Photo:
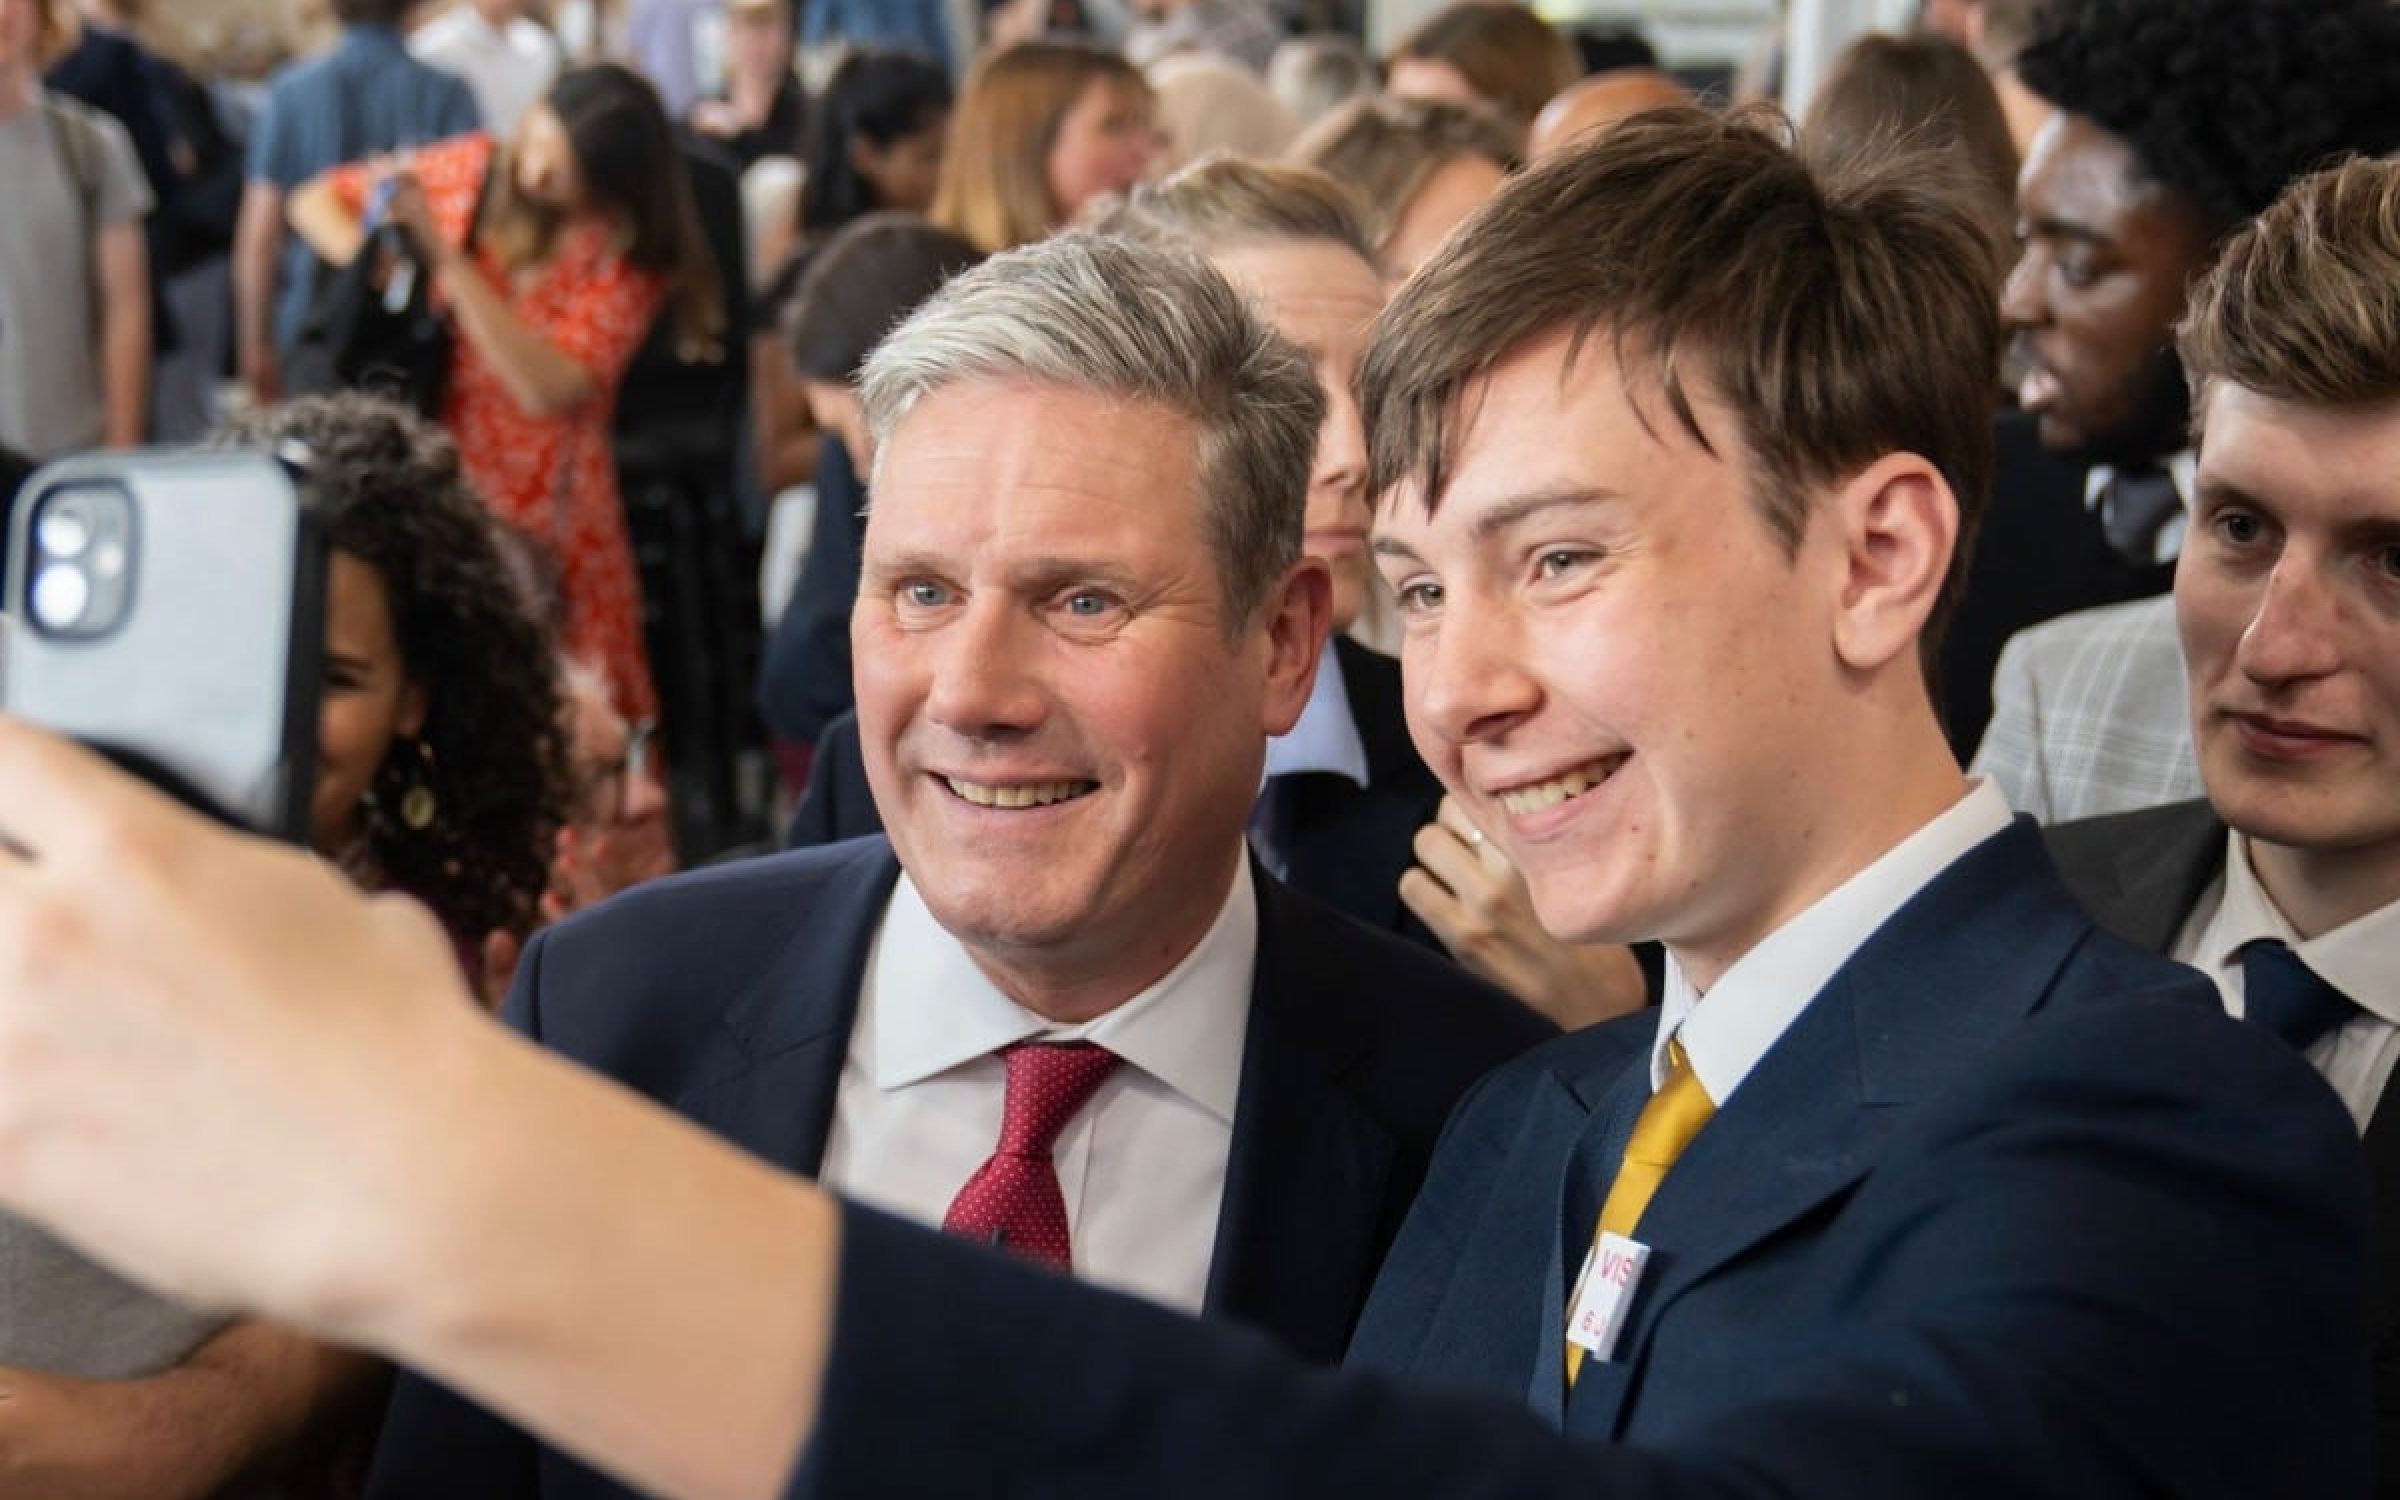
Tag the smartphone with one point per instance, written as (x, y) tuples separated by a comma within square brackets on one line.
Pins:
[(168, 608)]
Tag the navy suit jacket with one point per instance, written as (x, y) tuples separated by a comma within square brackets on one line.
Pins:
[(1346, 845), (2012, 1209), (2140, 874), (728, 994)]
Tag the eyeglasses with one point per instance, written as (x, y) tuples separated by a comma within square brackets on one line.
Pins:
[(608, 785)]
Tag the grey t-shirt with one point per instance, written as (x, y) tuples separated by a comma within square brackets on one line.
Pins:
[(50, 393), (61, 1313)]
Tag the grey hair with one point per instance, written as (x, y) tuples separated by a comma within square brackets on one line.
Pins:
[(1134, 322)]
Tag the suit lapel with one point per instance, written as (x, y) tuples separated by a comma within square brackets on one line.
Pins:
[(1307, 1172), (1950, 974), (1596, 1111), (2155, 874), (2383, 1175), (778, 1054)]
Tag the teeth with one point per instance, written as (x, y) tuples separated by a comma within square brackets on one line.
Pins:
[(1527, 799), (1039, 795)]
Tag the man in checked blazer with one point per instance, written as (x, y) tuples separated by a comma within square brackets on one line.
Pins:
[(2089, 715)]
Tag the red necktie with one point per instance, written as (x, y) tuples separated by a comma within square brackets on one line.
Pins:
[(1013, 1198)]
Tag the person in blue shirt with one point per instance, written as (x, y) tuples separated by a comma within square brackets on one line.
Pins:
[(364, 96)]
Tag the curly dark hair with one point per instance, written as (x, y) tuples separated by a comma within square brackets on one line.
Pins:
[(2225, 101), (394, 498)]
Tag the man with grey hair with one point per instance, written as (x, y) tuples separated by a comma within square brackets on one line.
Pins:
[(1082, 611)]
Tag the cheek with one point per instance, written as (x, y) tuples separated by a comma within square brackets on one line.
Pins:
[(2210, 617), (886, 675), (2116, 330), (352, 731)]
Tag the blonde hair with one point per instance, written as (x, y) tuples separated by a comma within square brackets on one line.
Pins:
[(1228, 202), (2304, 303), (1383, 149), (995, 185)]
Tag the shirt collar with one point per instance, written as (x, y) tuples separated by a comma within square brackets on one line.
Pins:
[(1326, 738), (1767, 988), (2355, 958), (930, 1009), (2183, 471), (364, 39)]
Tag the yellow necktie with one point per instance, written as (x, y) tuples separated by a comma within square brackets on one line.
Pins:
[(1667, 1124)]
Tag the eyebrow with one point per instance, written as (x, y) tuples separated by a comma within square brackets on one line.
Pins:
[(1522, 508), (2354, 531), (1045, 572), (2066, 229), (1507, 513), (2209, 491)]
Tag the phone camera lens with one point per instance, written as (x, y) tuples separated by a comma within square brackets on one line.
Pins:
[(60, 594), (64, 532)]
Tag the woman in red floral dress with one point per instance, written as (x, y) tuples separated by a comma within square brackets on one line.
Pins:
[(582, 230)]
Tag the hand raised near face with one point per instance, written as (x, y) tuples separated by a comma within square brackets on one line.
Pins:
[(203, 1036), (1466, 890)]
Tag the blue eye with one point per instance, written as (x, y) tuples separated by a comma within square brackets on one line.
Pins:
[(1088, 605), (924, 594), (1419, 597)]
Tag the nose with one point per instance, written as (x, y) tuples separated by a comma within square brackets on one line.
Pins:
[(986, 683), (645, 795), (1341, 443), (1464, 678), (2021, 301), (2295, 632)]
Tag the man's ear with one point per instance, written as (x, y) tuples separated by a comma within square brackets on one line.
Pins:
[(1295, 617), (1899, 528)]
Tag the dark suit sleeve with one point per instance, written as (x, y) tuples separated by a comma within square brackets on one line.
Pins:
[(1420, 1265), (837, 803), (2127, 1262), (436, 1444)]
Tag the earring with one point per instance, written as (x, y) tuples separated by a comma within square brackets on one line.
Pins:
[(417, 802)]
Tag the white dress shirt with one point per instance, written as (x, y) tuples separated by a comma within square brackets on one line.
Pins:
[(1141, 1167), (508, 70), (1763, 993), (2361, 958), (1325, 737)]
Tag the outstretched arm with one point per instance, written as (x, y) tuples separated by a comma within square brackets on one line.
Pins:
[(230, 1075)]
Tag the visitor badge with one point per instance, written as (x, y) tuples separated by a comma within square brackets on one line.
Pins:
[(1603, 1291)]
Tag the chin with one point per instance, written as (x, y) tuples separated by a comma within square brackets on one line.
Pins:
[(1583, 915)]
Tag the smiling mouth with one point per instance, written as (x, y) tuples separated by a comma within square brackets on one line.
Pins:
[(1035, 794), (1532, 799)]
